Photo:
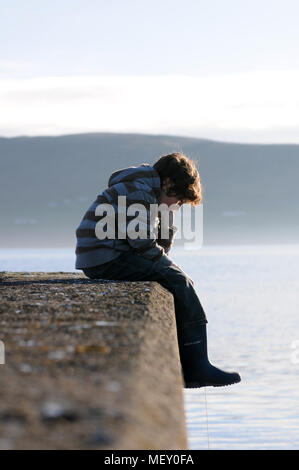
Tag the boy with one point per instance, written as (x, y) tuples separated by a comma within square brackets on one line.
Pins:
[(172, 180)]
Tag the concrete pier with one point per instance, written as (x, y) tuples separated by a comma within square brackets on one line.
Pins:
[(89, 364)]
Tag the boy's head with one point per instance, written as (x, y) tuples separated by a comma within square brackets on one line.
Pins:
[(180, 179)]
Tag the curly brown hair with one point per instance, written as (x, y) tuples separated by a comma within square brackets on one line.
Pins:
[(182, 172)]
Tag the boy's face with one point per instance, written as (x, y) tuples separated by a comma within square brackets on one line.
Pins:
[(168, 200)]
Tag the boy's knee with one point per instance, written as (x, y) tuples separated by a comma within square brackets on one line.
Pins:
[(179, 277), (184, 276)]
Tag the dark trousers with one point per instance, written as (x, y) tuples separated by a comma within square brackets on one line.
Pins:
[(131, 267)]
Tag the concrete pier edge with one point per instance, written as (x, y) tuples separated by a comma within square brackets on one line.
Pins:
[(88, 364)]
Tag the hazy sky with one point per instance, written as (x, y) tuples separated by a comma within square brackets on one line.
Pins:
[(222, 69)]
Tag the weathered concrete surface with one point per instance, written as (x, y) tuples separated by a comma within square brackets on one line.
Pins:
[(89, 364)]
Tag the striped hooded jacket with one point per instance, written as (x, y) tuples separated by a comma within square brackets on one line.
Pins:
[(140, 184)]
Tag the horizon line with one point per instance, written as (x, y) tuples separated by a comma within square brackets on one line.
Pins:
[(24, 136)]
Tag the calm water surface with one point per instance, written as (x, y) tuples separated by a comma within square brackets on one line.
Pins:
[(250, 295)]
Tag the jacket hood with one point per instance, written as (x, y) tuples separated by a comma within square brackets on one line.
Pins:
[(145, 173)]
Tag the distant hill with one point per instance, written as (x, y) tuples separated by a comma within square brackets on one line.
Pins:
[(251, 192)]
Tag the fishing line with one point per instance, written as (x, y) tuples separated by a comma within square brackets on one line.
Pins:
[(207, 419)]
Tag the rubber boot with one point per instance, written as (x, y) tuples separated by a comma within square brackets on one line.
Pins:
[(196, 367)]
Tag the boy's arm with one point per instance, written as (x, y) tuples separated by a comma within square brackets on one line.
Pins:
[(167, 243), (146, 247)]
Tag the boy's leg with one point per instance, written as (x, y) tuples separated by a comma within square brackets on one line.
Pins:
[(132, 267), (190, 316)]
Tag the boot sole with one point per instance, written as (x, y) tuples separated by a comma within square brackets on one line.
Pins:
[(197, 385)]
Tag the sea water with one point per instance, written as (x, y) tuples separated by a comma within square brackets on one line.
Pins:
[(251, 298)]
